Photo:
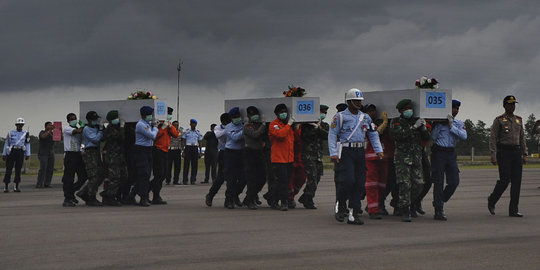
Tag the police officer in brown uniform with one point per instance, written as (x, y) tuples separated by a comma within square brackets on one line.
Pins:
[(509, 151)]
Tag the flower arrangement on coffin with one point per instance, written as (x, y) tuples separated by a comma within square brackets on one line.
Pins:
[(426, 83), (140, 94), (294, 91)]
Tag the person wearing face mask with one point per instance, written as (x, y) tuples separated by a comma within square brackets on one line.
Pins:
[(282, 156), (408, 133), (210, 155), (113, 155), (92, 135), (145, 134), (16, 150), (191, 151), (351, 126), (234, 167), (159, 155), (73, 162), (254, 156), (219, 131), (313, 136)]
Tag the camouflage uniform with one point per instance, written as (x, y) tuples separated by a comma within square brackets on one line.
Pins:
[(408, 159), (113, 156), (94, 170), (312, 154)]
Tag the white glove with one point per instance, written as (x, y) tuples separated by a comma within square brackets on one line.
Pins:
[(291, 121), (420, 122), (450, 120), (122, 123)]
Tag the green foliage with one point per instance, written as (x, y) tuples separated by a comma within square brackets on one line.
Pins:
[(477, 137), (531, 137)]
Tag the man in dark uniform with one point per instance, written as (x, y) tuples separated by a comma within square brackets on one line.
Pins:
[(509, 151), (191, 151), (210, 155)]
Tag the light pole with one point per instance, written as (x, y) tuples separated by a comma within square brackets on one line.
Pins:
[(178, 68)]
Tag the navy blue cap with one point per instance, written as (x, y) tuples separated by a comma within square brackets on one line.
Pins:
[(456, 103), (170, 110), (147, 110), (234, 111), (193, 121)]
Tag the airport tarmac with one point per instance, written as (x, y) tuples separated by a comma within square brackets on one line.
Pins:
[(38, 233)]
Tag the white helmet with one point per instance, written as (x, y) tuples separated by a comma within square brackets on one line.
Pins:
[(354, 94), (19, 121)]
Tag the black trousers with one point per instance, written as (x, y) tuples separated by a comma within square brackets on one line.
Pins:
[(220, 178), (159, 167), (15, 158), (282, 172), (191, 158), (234, 172), (73, 164), (46, 169), (174, 159), (210, 162), (510, 163), (428, 182), (255, 166), (143, 162), (130, 186)]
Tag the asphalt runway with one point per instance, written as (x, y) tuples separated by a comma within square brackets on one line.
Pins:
[(38, 233)]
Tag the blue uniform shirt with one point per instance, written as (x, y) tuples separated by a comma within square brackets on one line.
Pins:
[(443, 136), (193, 137), (342, 126), (235, 136), (16, 139), (145, 133), (91, 136)]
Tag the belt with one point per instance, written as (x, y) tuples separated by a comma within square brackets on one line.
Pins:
[(354, 144), (16, 147), (174, 148), (445, 149), (509, 147), (192, 146)]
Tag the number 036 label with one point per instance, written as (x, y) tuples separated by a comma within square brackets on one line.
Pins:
[(304, 107), (435, 100)]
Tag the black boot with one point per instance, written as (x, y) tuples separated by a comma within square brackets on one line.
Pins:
[(419, 209), (439, 214), (340, 212), (406, 214), (354, 218), (16, 188), (208, 199), (413, 212), (284, 205), (6, 188)]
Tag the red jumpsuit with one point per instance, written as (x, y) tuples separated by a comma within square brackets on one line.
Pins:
[(377, 171)]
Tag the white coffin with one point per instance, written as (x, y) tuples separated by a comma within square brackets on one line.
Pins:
[(302, 109), (129, 110), (428, 103)]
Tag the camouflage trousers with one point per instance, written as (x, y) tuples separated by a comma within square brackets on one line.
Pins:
[(94, 170), (410, 182), (117, 175), (314, 171)]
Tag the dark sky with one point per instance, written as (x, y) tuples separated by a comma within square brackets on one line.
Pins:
[(68, 51)]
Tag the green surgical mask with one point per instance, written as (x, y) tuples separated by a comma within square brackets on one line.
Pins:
[(95, 122), (73, 123), (115, 121), (408, 113), (169, 117), (237, 120), (254, 118), (283, 116), (323, 115), (148, 118)]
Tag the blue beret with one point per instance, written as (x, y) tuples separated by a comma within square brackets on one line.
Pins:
[(456, 103), (193, 121), (234, 111), (146, 110)]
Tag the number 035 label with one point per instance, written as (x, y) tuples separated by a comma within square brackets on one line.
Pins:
[(304, 107), (435, 100)]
